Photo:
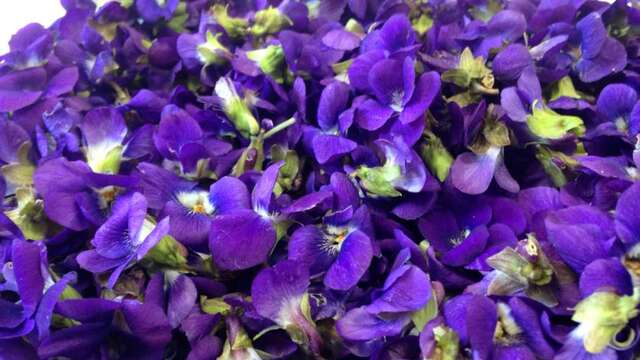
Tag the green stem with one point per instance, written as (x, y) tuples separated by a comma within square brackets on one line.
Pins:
[(276, 129)]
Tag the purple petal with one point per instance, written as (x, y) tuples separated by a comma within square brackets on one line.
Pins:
[(241, 240), (361, 68), (176, 129), (352, 262), (340, 39), (360, 325), (330, 147), (469, 249), (27, 264), (182, 298), (427, 89), (616, 101), (263, 191), (273, 288), (605, 275), (371, 115), (333, 101), (472, 173), (406, 289), (229, 194), (627, 221)]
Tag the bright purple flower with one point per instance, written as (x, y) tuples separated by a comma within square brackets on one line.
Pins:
[(601, 55), (396, 93)]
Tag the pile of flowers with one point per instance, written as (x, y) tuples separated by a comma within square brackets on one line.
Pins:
[(335, 179)]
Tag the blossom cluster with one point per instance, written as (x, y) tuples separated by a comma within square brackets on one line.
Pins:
[(329, 179)]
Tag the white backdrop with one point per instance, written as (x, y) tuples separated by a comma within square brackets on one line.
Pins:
[(14, 14)]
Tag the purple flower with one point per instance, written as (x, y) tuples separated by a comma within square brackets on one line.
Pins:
[(396, 94), (280, 294), (126, 236)]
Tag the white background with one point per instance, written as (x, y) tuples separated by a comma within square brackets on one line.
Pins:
[(14, 14)]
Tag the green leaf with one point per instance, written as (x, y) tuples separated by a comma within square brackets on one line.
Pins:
[(548, 124)]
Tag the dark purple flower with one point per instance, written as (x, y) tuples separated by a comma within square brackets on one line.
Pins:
[(126, 236)]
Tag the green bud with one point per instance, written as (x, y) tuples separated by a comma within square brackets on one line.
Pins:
[(545, 156), (236, 108), (602, 315), (29, 214), (169, 252), (269, 21), (212, 51), (377, 181), (235, 27), (214, 306), (289, 172), (428, 312), (564, 87), (436, 156), (548, 124), (270, 60)]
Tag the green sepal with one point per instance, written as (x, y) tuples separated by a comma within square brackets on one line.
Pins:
[(270, 60), (354, 26), (212, 51), (169, 252), (214, 306), (240, 115), (564, 87), (234, 27), (602, 315), (179, 19), (269, 21), (29, 214), (428, 312), (20, 173), (251, 158), (436, 156), (111, 162), (422, 24), (289, 171), (469, 69), (377, 181), (548, 124), (447, 343), (341, 67)]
